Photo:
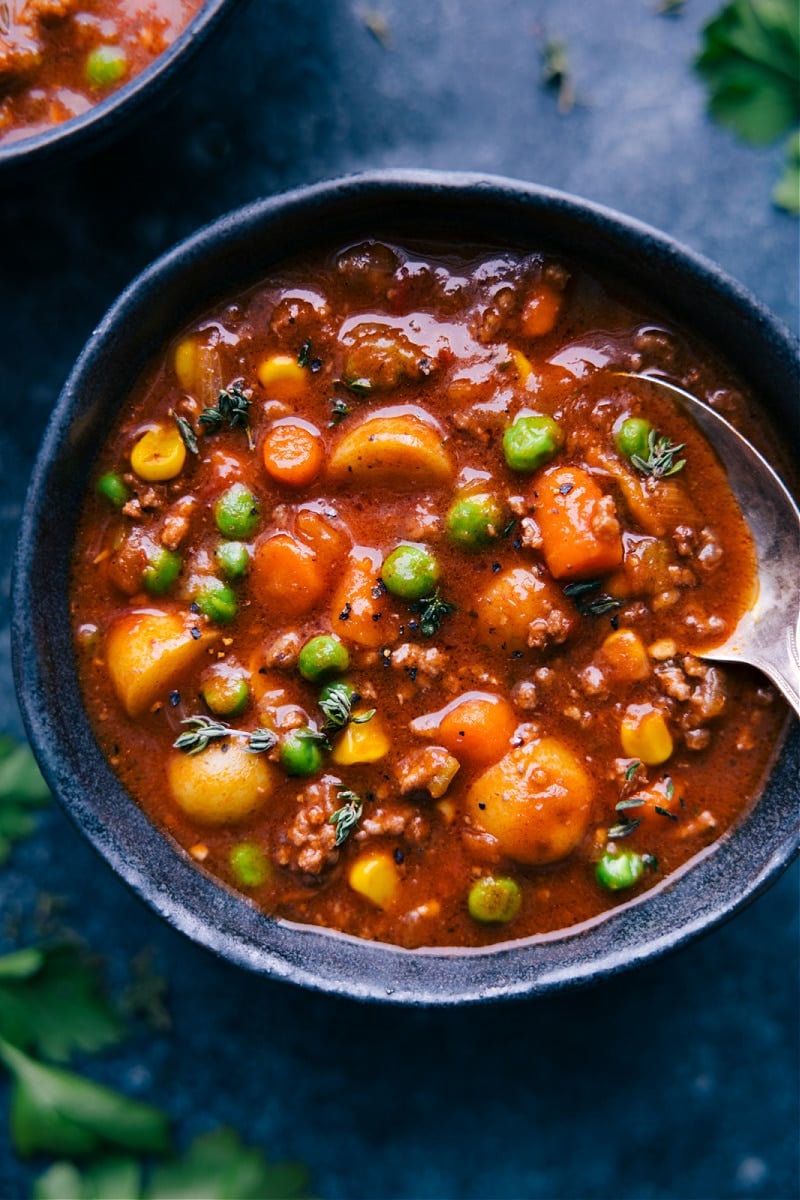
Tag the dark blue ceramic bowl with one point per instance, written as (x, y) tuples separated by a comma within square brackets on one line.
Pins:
[(232, 253), (112, 116)]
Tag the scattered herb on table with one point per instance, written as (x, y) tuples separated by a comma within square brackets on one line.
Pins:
[(557, 73), (376, 23), (750, 61), (217, 1165), (22, 792)]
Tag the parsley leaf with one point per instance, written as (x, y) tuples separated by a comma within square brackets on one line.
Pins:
[(751, 63), (51, 1000), (217, 1166), (59, 1112), (22, 790), (786, 193)]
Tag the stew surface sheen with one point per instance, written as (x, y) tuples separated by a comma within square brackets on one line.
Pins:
[(416, 575), (60, 57)]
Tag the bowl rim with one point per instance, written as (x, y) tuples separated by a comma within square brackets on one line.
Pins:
[(160, 874), (103, 121)]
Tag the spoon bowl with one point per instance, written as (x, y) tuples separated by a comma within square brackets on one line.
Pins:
[(768, 634)]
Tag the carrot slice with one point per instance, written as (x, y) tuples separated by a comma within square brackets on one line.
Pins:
[(293, 454), (287, 576), (360, 611), (478, 728), (580, 534)]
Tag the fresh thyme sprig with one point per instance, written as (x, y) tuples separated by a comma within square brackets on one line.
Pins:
[(432, 610), (660, 461), (337, 702), (233, 408), (347, 817), (203, 730), (339, 410), (587, 604)]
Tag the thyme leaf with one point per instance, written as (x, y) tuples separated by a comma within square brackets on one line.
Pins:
[(347, 817), (624, 828), (660, 461), (339, 410), (187, 434), (588, 605), (233, 409), (337, 703), (304, 357), (432, 610), (203, 730)]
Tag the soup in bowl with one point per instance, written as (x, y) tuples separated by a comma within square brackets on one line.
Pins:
[(386, 586)]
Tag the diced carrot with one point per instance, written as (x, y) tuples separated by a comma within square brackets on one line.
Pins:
[(329, 542), (580, 535), (477, 728), (287, 576), (293, 454), (360, 611), (540, 310)]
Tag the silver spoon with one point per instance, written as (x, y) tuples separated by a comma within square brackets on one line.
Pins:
[(768, 634)]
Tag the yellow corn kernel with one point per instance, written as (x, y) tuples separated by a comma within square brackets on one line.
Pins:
[(159, 454), (626, 655), (375, 877), (185, 363), (361, 743), (522, 365), (645, 735), (283, 377)]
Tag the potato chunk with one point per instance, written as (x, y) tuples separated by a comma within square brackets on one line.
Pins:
[(401, 452), (148, 651), (220, 786), (536, 802), (520, 611)]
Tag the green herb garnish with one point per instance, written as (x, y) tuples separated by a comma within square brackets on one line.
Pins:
[(589, 605), (22, 791), (557, 74), (339, 410), (432, 611), (337, 702), (205, 729), (624, 828), (347, 817), (233, 409), (660, 461), (187, 434), (750, 61)]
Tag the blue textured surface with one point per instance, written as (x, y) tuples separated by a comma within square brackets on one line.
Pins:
[(679, 1080)]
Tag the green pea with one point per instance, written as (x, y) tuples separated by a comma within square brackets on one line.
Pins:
[(216, 600), (474, 519), (620, 870), (531, 442), (111, 487), (233, 559), (163, 568), (236, 512), (105, 66), (494, 900), (632, 437), (323, 655), (249, 864), (226, 692), (301, 752), (410, 572)]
